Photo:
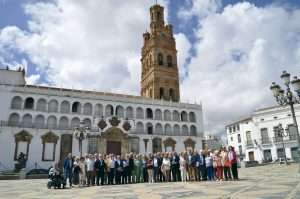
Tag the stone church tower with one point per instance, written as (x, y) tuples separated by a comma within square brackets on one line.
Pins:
[(159, 60)]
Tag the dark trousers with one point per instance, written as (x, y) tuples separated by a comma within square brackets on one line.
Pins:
[(125, 175), (118, 176), (111, 176), (234, 171), (175, 174), (90, 178), (68, 174), (145, 175), (197, 174), (100, 177), (155, 174), (129, 175), (210, 172), (202, 172), (227, 174), (161, 176)]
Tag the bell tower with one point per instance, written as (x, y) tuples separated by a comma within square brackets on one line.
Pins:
[(159, 59)]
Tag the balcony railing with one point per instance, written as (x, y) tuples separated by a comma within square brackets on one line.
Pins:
[(249, 143), (277, 139), (265, 141), (41, 126)]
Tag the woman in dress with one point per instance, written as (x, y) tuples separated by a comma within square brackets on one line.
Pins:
[(166, 166), (82, 174), (182, 162), (138, 169), (150, 169)]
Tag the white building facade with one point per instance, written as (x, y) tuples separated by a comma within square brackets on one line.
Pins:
[(39, 122), (254, 137)]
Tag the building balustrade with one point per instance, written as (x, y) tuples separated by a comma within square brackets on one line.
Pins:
[(265, 141)]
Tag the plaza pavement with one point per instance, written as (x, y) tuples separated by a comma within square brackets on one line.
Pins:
[(268, 182)]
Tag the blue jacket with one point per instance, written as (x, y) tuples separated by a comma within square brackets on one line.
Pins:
[(67, 165)]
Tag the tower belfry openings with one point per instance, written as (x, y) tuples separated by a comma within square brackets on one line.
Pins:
[(159, 59)]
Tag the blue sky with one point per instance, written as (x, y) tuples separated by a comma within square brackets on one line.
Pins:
[(228, 50)]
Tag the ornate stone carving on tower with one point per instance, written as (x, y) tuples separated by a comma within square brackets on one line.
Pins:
[(159, 59)]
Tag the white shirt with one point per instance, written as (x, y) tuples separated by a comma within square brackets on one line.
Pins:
[(90, 164), (155, 162)]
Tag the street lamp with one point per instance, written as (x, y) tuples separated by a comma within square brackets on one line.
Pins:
[(287, 97), (81, 133), (281, 133)]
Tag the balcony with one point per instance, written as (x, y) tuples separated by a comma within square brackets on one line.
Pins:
[(249, 144), (277, 139), (265, 141), (41, 126)]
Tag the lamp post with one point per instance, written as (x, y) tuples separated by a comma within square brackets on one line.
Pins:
[(287, 97), (281, 133), (81, 133)]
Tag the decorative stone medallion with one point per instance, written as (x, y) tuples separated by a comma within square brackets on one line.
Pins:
[(114, 121), (102, 124)]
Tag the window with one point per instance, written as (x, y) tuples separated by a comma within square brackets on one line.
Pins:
[(76, 107), (248, 138), (149, 129), (169, 60), (238, 127), (158, 15), (29, 103), (239, 138), (92, 144), (240, 150), (264, 136), (231, 138), (16, 103), (292, 132), (160, 59), (149, 113), (230, 130), (161, 93), (109, 110), (233, 129)]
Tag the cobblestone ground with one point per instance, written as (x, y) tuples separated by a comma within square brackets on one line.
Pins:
[(269, 182)]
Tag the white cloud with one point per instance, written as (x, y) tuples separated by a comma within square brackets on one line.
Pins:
[(84, 44), (240, 52), (199, 8)]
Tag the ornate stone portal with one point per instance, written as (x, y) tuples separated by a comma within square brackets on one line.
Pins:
[(114, 140)]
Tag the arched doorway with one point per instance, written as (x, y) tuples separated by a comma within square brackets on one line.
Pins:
[(115, 141)]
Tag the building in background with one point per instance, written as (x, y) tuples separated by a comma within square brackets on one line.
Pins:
[(254, 137), (39, 121), (212, 142)]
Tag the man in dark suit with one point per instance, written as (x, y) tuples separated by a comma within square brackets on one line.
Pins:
[(175, 167), (130, 168), (119, 169), (68, 168), (100, 168), (160, 173)]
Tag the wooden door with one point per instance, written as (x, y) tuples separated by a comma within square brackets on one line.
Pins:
[(251, 156), (113, 147), (65, 146)]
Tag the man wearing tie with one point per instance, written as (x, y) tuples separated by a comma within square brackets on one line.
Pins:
[(100, 168)]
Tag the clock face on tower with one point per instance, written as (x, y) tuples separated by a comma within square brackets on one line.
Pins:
[(159, 60)]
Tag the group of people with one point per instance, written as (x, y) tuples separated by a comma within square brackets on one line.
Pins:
[(98, 169)]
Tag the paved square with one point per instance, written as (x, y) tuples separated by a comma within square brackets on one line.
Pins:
[(268, 182)]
